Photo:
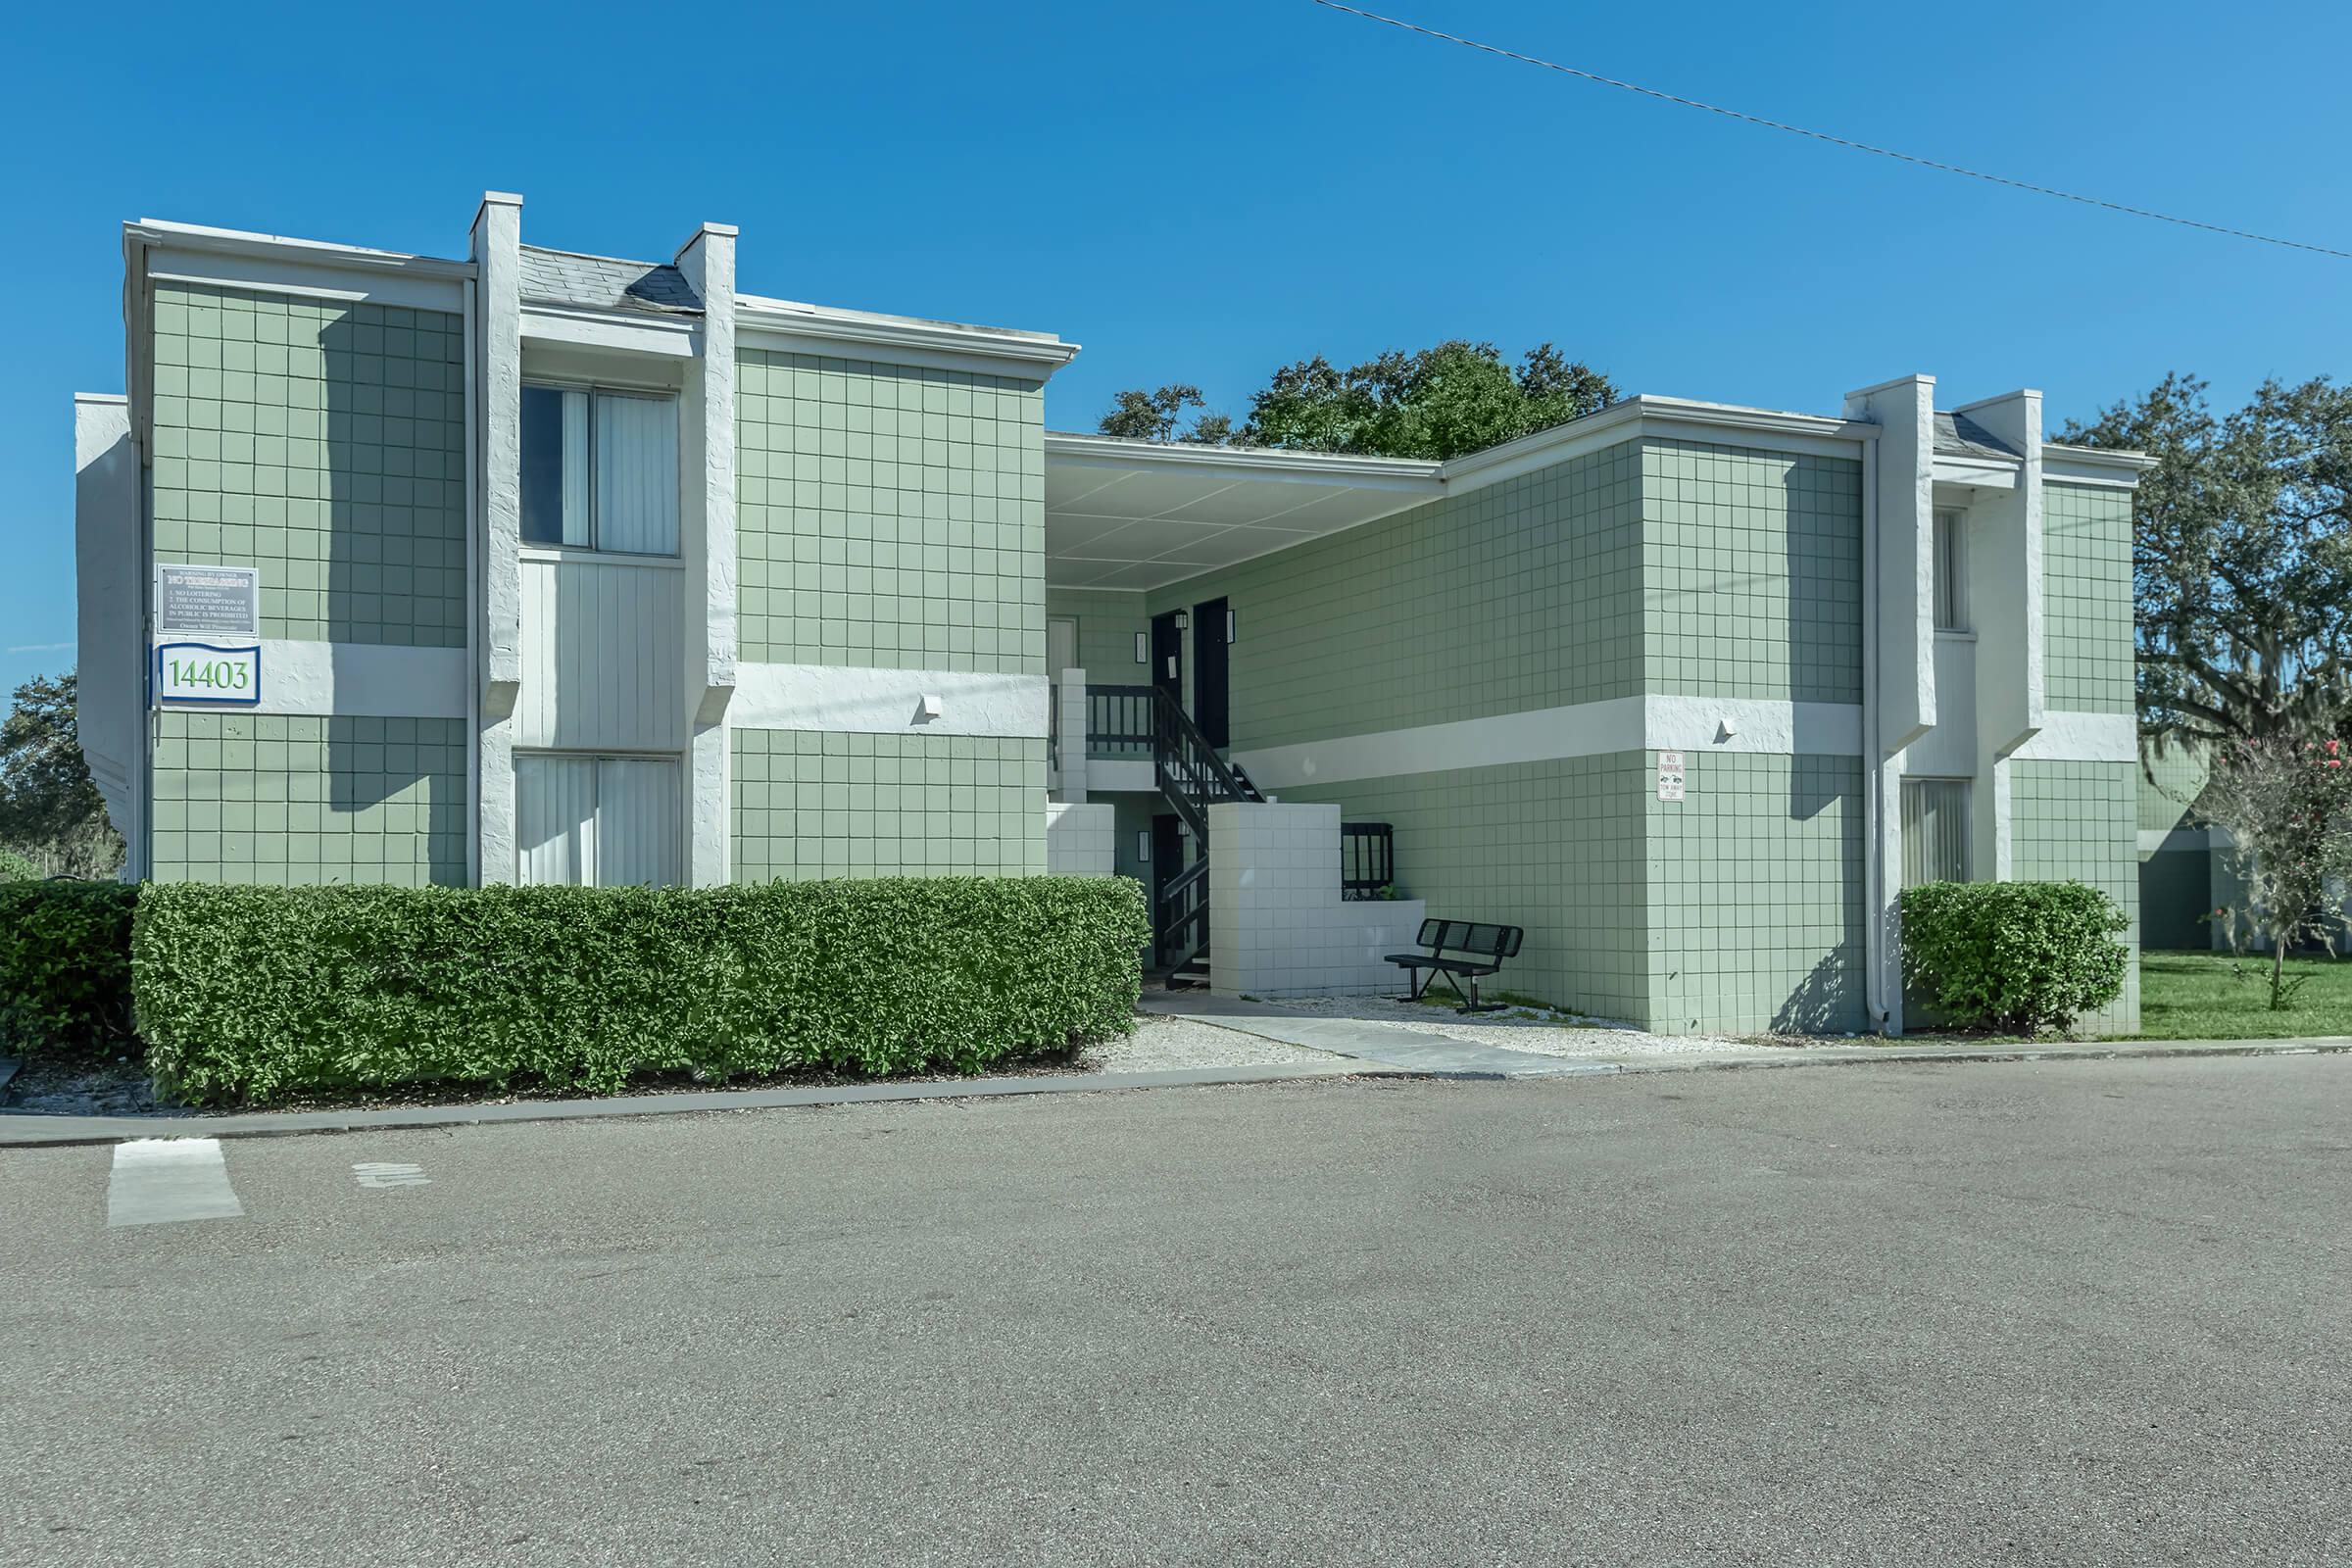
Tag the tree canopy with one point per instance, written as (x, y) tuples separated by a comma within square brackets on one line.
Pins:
[(49, 810), (1434, 402), (2241, 558)]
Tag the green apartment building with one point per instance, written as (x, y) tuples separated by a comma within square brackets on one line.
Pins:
[(530, 565)]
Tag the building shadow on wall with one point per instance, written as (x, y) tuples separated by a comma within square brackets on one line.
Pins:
[(378, 427)]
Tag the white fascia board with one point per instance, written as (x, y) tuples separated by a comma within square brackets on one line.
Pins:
[(2090, 466), (794, 327), (623, 332), (1117, 453), (192, 253), (1976, 473), (1663, 419)]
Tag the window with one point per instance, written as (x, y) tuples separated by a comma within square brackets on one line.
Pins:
[(1936, 831), (1951, 572), (599, 469), (598, 822)]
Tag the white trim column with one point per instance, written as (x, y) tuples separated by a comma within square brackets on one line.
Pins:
[(497, 253), (707, 514)]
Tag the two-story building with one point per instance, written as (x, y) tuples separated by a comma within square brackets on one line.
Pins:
[(530, 565)]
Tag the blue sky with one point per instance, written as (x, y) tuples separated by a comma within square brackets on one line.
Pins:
[(1203, 191)]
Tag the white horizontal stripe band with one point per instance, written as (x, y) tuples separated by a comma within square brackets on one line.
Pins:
[(1712, 725), (884, 702), (2066, 737), (372, 680)]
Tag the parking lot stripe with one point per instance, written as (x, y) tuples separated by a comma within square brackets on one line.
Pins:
[(166, 1181)]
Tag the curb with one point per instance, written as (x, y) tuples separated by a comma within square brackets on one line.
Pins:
[(27, 1130)]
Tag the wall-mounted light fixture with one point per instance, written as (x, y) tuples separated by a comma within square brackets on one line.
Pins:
[(1184, 621), (1143, 649), (1228, 633), (1143, 846)]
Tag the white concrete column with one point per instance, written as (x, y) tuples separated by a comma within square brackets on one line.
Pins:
[(1069, 734), (1904, 409), (708, 542), (2005, 610), (111, 575), (497, 404)]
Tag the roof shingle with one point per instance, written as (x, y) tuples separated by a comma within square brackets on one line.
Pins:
[(604, 282)]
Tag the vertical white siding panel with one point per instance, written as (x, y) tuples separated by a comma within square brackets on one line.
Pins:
[(603, 655)]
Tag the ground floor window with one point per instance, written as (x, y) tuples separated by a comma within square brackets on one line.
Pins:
[(1936, 831), (598, 822)]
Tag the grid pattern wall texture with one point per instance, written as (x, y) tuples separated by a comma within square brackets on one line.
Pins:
[(1554, 848), (1106, 626), (1752, 574), (323, 443), (2086, 598), (2170, 781), (810, 804), (890, 517), (1756, 896), (2078, 821), (288, 801), (1524, 594)]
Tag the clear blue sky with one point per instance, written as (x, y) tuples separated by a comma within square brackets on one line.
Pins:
[(1203, 191)]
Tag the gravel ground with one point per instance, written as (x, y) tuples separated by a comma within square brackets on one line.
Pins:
[(1540, 1030), (1161, 1044)]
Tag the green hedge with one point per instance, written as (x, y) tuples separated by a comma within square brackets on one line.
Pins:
[(256, 994), (64, 966), (2014, 955), (14, 867)]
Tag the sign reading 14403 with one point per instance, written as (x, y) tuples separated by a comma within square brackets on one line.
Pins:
[(202, 672)]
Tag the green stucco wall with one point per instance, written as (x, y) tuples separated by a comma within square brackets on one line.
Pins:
[(323, 443), (1556, 848), (1524, 594), (2079, 821), (277, 798), (1755, 895), (1107, 622), (1751, 569), (2086, 598), (809, 804), (889, 517)]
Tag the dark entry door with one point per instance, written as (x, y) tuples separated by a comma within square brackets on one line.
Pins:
[(1210, 651), (1167, 647)]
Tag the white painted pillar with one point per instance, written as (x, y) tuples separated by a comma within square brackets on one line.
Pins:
[(1069, 734), (707, 513), (497, 391), (111, 575)]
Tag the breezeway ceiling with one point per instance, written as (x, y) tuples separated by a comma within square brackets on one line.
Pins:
[(1141, 515)]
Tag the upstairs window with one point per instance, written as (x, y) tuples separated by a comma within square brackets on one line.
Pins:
[(1951, 572), (599, 469)]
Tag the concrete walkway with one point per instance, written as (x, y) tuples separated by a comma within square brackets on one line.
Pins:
[(1368, 1040)]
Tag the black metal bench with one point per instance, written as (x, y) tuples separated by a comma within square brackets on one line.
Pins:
[(1460, 948)]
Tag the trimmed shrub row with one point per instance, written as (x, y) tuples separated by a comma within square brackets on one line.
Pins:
[(64, 966), (254, 994), (2013, 955)]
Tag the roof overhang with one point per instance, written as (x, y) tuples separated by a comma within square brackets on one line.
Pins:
[(1139, 515), (791, 326)]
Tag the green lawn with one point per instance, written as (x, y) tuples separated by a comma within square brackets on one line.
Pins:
[(2211, 996)]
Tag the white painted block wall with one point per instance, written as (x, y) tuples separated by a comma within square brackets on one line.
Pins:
[(1080, 840), (1277, 925)]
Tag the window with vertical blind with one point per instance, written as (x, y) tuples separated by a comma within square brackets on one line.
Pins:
[(599, 469), (1936, 831), (598, 822), (1951, 572)]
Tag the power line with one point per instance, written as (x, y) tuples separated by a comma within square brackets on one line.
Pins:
[(1823, 136)]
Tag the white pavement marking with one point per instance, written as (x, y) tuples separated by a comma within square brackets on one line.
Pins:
[(163, 1181), (378, 1173)]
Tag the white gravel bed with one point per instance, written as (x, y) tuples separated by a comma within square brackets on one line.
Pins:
[(1161, 1044), (1537, 1030)]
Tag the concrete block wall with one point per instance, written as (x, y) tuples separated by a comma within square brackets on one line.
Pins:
[(1279, 927), (1080, 840)]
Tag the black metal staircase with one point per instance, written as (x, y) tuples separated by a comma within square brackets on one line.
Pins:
[(1191, 777)]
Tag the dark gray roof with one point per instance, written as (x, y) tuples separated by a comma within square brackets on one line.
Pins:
[(602, 282), (1962, 436)]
